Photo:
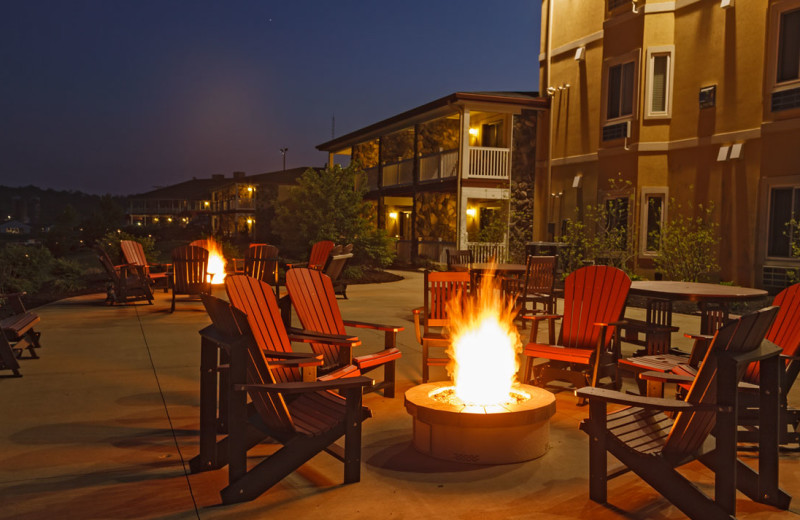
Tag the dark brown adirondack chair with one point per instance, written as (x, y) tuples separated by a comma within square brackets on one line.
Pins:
[(261, 263), (315, 302), (17, 324), (431, 320), (594, 297), (458, 260), (653, 444), (128, 282), (133, 252), (189, 276), (335, 267), (657, 329), (305, 417), (8, 356), (535, 288)]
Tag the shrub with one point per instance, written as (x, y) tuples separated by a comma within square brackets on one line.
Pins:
[(23, 268), (687, 244), (110, 242)]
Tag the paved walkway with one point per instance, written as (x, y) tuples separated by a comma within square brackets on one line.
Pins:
[(103, 426)]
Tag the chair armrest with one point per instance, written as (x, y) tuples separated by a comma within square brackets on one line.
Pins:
[(651, 403), (787, 357), (312, 336), (539, 317), (296, 264), (703, 337), (290, 355), (374, 326), (296, 363), (14, 300), (311, 386)]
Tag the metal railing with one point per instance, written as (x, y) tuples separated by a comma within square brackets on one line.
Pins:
[(439, 165), (488, 251), (398, 173), (489, 163)]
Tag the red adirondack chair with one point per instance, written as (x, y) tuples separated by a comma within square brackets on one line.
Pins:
[(189, 276), (261, 262), (594, 297), (314, 300), (134, 255), (431, 320)]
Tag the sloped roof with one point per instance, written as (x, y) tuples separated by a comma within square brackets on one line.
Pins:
[(432, 110)]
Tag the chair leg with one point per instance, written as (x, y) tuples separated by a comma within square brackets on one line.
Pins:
[(389, 379), (172, 309), (424, 363)]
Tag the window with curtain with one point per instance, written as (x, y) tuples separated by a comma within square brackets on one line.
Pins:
[(658, 90), (620, 90)]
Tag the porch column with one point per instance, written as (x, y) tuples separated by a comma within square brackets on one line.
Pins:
[(463, 162), (380, 184), (415, 182)]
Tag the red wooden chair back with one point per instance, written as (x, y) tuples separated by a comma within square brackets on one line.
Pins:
[(319, 254), (189, 264), (234, 324), (440, 288), (690, 429), (592, 294), (261, 262), (785, 330), (133, 252), (314, 301), (257, 301)]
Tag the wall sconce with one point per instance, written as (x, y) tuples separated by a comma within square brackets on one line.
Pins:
[(250, 222), (473, 131), (393, 215), (155, 219), (169, 219), (471, 212), (580, 53), (206, 203), (250, 189)]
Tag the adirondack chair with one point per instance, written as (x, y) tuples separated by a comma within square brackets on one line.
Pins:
[(336, 266), (458, 260), (133, 252), (128, 282), (263, 316), (189, 276), (657, 329), (305, 417), (314, 300), (432, 319), (17, 324), (535, 288), (8, 357), (653, 444), (261, 263), (594, 297)]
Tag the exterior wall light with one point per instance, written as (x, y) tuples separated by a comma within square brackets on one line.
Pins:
[(393, 215), (473, 131), (471, 212)]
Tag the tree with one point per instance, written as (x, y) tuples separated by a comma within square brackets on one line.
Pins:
[(329, 204), (687, 244)]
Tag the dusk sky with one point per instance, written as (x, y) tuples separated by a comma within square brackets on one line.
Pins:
[(111, 96)]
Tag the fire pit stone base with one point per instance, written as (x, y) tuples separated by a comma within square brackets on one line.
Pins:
[(481, 435)]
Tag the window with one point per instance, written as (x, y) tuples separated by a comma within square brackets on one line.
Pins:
[(788, 68), (653, 215), (659, 82), (784, 206), (620, 90)]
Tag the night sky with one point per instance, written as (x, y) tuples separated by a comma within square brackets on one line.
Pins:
[(112, 96)]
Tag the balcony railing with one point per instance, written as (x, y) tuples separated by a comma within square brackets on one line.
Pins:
[(439, 165), (489, 163), (488, 251), (399, 173)]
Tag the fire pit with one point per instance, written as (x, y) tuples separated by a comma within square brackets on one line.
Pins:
[(483, 417), (515, 431)]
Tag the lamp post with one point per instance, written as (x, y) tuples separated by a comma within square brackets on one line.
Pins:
[(283, 153)]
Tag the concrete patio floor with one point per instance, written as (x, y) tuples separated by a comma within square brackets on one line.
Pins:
[(104, 424)]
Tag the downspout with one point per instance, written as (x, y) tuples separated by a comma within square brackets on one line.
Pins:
[(551, 126)]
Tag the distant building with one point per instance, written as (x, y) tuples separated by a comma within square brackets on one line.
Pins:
[(14, 227), (455, 173)]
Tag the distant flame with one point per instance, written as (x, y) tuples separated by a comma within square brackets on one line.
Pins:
[(216, 263), (485, 345)]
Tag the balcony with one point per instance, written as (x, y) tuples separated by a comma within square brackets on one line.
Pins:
[(489, 163)]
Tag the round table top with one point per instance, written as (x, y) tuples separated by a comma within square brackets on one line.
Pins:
[(500, 268), (694, 291)]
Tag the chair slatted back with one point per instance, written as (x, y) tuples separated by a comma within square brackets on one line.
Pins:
[(189, 264), (592, 294), (319, 254), (105, 261), (460, 258), (133, 252), (233, 324), (690, 429), (540, 274), (257, 301), (440, 288), (785, 330), (314, 301), (261, 262), (336, 265)]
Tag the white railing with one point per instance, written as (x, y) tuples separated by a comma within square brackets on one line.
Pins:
[(401, 172), (489, 163), (488, 251), (438, 165)]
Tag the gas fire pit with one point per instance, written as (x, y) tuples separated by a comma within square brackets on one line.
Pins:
[(515, 431)]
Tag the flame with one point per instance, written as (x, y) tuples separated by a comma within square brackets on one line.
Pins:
[(485, 345), (216, 263)]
